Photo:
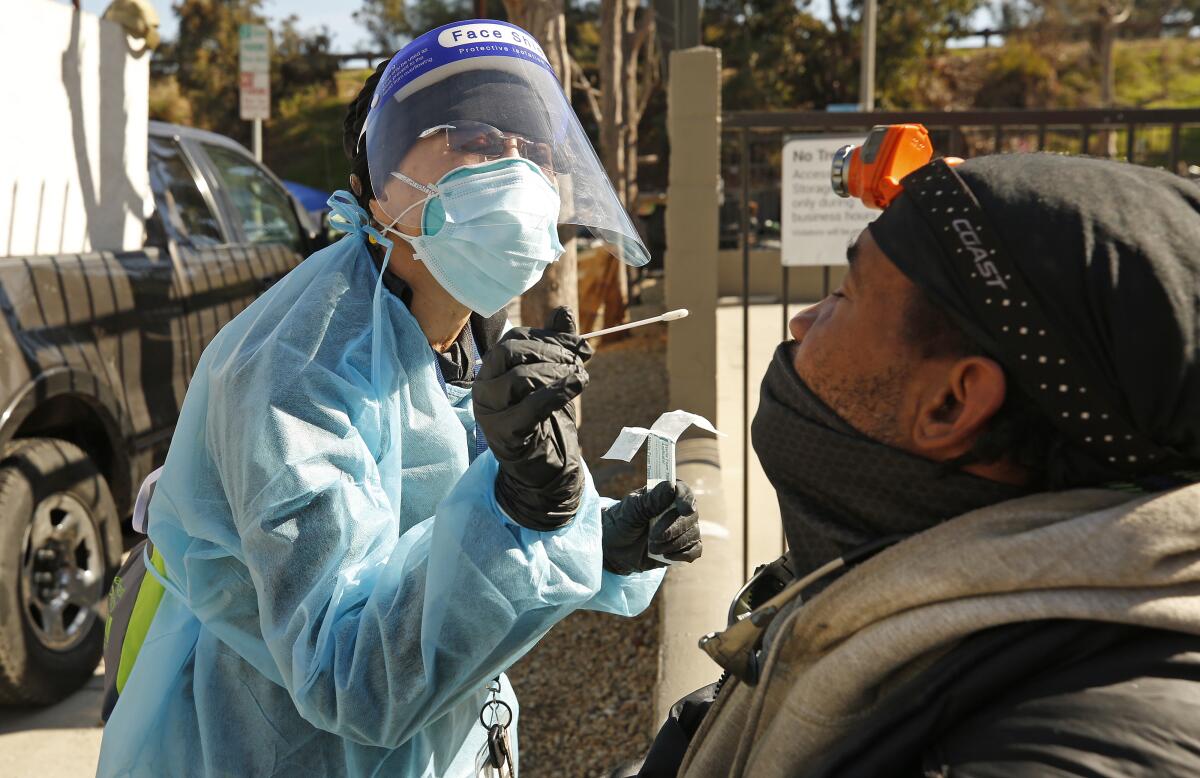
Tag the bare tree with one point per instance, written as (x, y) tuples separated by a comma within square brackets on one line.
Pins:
[(545, 19), (629, 71), (1110, 14)]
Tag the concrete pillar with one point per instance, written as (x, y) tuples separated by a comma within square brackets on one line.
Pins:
[(695, 597), (694, 132)]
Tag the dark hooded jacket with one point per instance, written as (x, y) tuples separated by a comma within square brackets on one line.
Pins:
[(1015, 641), (1056, 634), (1109, 251)]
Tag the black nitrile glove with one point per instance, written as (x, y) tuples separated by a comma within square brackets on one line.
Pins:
[(523, 404), (662, 522)]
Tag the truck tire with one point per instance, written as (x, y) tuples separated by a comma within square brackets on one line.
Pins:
[(60, 542)]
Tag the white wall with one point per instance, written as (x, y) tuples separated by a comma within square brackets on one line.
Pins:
[(74, 101)]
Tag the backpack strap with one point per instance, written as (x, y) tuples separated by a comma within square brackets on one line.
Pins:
[(133, 600)]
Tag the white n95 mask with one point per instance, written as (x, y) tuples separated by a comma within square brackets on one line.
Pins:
[(488, 231)]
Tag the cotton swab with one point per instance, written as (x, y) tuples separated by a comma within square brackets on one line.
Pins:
[(679, 313)]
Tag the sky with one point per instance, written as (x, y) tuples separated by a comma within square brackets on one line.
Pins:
[(334, 14)]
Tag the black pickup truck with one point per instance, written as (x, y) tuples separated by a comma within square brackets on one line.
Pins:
[(96, 351)]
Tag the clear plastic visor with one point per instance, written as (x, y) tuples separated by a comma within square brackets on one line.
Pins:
[(491, 109)]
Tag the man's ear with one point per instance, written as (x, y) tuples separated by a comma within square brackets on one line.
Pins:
[(956, 410)]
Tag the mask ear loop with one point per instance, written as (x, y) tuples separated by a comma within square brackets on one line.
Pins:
[(430, 192)]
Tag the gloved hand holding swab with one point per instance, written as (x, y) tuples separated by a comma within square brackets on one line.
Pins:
[(678, 313)]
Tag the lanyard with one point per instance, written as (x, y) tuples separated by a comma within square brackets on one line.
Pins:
[(476, 363)]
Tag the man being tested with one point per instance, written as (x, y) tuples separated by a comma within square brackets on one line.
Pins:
[(372, 505), (994, 425)]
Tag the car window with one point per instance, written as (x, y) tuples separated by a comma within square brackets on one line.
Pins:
[(261, 204), (184, 211)]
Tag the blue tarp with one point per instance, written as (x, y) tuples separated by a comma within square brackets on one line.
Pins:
[(312, 200)]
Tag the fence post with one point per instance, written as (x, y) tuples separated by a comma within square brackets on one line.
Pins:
[(694, 597)]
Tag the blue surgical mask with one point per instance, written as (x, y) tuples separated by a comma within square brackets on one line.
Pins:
[(488, 231)]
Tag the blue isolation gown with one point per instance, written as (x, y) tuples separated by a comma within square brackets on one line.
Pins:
[(341, 583)]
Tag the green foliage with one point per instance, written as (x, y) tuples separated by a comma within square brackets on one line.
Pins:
[(779, 54), (206, 55), (1068, 20), (386, 22), (1018, 76), (428, 14), (167, 102), (304, 141), (301, 60), (195, 77), (392, 23), (1160, 73)]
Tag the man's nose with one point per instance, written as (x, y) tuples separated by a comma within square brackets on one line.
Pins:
[(510, 148), (802, 321)]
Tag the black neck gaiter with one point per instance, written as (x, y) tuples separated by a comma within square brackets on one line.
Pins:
[(837, 488)]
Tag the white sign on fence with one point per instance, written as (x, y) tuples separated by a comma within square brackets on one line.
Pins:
[(254, 64), (817, 224)]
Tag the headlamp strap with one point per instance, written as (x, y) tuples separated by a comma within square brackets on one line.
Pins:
[(1078, 402)]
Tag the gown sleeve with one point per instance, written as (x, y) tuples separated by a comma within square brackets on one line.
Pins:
[(377, 633), (624, 595)]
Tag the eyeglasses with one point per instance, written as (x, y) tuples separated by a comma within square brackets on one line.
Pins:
[(471, 137)]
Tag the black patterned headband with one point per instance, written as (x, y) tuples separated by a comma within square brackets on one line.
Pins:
[(1078, 402)]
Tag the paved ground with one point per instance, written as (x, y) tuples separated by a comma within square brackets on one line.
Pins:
[(765, 536), (62, 741)]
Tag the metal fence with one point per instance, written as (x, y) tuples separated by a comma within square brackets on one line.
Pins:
[(751, 173)]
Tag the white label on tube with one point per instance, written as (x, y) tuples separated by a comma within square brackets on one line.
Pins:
[(660, 460)]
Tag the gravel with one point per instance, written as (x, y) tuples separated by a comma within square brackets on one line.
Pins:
[(587, 688)]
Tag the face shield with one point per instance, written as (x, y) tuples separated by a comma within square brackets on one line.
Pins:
[(471, 94)]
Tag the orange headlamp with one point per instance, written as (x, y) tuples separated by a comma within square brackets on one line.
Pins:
[(872, 171)]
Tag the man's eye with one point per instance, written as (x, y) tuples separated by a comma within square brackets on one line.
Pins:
[(838, 293)]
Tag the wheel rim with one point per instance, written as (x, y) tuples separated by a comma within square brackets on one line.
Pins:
[(62, 575)]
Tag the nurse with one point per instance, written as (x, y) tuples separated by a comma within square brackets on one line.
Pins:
[(374, 502)]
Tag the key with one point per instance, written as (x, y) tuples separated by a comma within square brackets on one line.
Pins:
[(508, 755), (501, 751), (495, 758)]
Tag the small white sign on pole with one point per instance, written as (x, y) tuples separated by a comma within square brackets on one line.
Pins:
[(254, 64), (817, 224)]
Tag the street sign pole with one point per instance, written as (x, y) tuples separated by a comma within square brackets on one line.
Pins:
[(254, 64)]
